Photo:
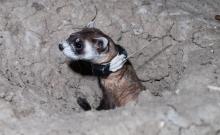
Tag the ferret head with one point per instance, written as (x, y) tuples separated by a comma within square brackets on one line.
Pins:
[(89, 44)]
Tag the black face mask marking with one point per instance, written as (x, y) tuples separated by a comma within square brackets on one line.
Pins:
[(79, 46), (88, 44), (76, 44)]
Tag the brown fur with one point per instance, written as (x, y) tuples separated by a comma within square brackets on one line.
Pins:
[(121, 87)]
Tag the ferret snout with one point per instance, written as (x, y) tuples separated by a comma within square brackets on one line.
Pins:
[(77, 47), (74, 50), (61, 47)]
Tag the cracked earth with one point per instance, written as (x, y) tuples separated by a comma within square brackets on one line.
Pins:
[(179, 65)]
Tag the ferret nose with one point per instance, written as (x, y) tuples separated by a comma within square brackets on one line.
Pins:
[(61, 47)]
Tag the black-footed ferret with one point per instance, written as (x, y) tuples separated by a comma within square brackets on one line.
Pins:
[(117, 77)]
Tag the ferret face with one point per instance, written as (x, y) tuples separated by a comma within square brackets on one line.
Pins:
[(89, 44)]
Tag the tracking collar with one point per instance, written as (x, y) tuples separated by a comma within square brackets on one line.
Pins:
[(104, 69)]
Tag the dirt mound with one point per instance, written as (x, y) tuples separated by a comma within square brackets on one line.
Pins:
[(180, 65)]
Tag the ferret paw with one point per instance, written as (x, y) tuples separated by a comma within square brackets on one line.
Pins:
[(84, 104)]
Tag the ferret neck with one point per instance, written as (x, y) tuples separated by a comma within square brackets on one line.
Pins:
[(104, 69)]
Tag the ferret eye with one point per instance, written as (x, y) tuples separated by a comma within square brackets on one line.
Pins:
[(78, 44), (77, 40)]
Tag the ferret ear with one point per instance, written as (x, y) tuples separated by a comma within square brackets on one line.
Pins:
[(91, 24), (102, 42)]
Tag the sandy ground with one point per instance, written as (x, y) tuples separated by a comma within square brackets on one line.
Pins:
[(180, 67)]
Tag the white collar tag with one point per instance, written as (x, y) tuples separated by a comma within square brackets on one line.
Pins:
[(114, 65), (117, 62)]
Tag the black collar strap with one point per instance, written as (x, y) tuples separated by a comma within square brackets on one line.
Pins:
[(103, 69)]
